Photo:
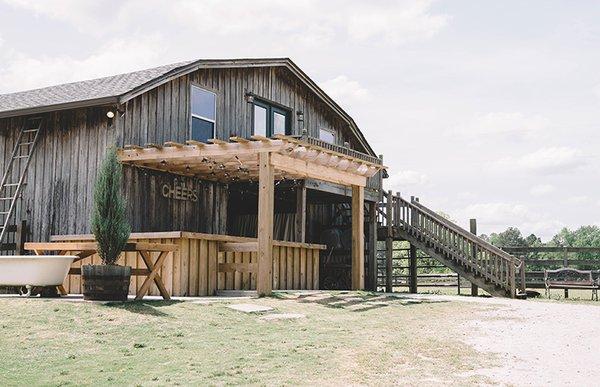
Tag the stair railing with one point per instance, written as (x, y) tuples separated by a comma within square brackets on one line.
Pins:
[(481, 257)]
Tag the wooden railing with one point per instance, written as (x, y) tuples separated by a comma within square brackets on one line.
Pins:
[(480, 257), (207, 263)]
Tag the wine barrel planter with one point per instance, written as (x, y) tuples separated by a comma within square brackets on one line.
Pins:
[(105, 282)]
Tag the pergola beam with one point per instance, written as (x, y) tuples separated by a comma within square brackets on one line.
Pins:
[(310, 170)]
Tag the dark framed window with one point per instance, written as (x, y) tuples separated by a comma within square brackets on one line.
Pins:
[(203, 105), (327, 135), (269, 120)]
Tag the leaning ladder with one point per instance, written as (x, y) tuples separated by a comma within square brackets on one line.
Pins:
[(10, 189)]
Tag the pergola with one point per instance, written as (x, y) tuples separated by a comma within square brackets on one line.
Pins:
[(265, 160)]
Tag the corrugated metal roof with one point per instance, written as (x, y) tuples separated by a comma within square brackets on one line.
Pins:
[(93, 89)]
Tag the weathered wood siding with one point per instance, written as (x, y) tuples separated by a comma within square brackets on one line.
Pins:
[(60, 181), (61, 177), (163, 114)]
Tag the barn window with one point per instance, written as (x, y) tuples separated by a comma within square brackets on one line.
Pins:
[(327, 135), (269, 120), (203, 107)]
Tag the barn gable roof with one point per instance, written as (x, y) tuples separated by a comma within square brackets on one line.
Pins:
[(118, 89)]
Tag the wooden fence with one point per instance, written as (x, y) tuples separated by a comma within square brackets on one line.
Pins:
[(553, 257), (429, 272), (201, 266)]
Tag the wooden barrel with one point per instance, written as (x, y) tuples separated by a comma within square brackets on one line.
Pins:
[(105, 282)]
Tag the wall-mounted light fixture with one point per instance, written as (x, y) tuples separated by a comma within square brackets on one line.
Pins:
[(300, 117), (110, 114), (249, 97)]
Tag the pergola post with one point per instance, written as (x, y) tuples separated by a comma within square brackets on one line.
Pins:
[(358, 238), (266, 198), (301, 212)]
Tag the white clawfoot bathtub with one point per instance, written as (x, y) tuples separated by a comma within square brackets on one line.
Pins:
[(34, 270)]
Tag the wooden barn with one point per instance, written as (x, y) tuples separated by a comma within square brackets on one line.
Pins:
[(261, 179)]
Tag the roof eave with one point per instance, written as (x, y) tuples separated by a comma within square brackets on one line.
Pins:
[(63, 106)]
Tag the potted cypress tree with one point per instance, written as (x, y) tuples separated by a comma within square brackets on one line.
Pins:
[(109, 281)]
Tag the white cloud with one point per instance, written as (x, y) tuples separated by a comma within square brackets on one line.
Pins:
[(545, 160), (405, 22), (22, 72), (498, 216), (401, 180), (91, 17), (345, 90), (579, 199), (310, 22), (542, 189), (596, 91), (508, 124)]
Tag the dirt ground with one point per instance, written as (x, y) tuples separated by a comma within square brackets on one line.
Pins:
[(303, 338), (539, 342)]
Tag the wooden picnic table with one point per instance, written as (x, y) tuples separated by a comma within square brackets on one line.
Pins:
[(86, 249)]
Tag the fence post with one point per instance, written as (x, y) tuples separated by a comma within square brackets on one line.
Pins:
[(473, 230), (373, 246), (566, 264), (413, 269), (512, 279), (389, 245), (523, 283)]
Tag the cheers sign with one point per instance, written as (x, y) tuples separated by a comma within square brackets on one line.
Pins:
[(179, 191)]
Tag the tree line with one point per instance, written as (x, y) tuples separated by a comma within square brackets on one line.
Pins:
[(584, 236)]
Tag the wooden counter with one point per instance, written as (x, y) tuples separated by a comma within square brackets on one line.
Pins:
[(205, 263)]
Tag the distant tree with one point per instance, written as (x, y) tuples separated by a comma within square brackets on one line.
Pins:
[(512, 237), (533, 241), (584, 236)]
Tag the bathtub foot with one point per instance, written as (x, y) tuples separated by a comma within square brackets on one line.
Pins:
[(28, 293)]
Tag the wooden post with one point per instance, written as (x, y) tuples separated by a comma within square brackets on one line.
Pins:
[(473, 230), (20, 237), (373, 246), (301, 212), (389, 246), (566, 264), (358, 238), (413, 269), (265, 224)]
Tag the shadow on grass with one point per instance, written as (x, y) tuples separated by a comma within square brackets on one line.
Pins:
[(357, 301), (149, 308)]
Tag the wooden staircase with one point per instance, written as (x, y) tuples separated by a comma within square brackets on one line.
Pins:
[(481, 263), (15, 173)]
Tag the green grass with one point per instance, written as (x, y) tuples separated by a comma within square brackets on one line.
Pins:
[(362, 341)]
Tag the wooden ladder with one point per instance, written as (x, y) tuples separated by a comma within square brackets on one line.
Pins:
[(10, 189)]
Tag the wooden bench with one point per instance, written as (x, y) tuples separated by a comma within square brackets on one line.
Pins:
[(568, 278)]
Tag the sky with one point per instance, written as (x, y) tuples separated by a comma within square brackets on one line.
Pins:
[(482, 109)]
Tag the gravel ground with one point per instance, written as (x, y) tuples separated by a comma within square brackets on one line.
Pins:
[(539, 342)]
